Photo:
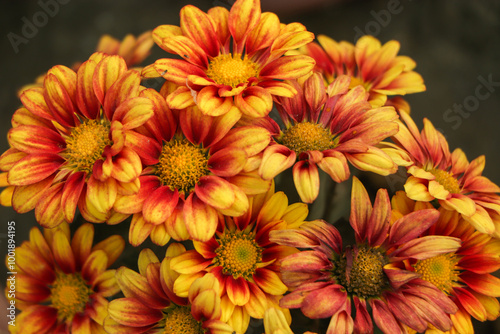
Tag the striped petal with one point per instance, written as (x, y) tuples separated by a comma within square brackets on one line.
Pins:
[(200, 218)]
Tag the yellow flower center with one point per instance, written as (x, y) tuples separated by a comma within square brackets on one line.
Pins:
[(439, 270), (307, 136), (181, 165), (69, 295), (238, 254), (231, 71), (447, 180), (360, 271), (179, 320), (86, 144)]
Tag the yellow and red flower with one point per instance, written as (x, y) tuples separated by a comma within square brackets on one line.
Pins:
[(196, 166), (376, 67), (326, 279), (62, 283), (325, 128), (448, 178), (464, 275), (150, 305), (68, 142), (230, 58), (243, 259)]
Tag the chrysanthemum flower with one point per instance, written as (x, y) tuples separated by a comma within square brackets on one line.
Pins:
[(62, 283), (197, 166), (325, 128), (448, 178), (243, 259), (327, 279), (376, 67), (132, 49), (464, 275), (150, 306), (230, 58), (68, 142)]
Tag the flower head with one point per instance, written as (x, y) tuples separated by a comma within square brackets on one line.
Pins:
[(230, 58), (62, 283), (150, 305), (243, 259), (448, 179), (327, 278), (465, 275), (326, 128), (372, 65), (68, 142), (196, 166)]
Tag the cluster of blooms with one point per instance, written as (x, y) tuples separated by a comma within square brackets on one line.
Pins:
[(196, 162)]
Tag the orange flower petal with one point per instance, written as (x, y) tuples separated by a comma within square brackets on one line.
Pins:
[(269, 282), (159, 205), (106, 73), (238, 290), (190, 262), (33, 168), (243, 17), (198, 26), (63, 254), (139, 230)]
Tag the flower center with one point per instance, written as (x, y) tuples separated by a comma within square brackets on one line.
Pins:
[(439, 270), (303, 137), (361, 272), (86, 144), (69, 295), (231, 71), (238, 254), (447, 180), (181, 165), (179, 320)]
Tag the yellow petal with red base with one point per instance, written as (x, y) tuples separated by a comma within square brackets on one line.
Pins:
[(200, 28), (306, 179), (276, 159), (416, 190), (59, 101), (33, 168), (133, 313), (210, 103), (34, 101), (176, 70), (255, 102), (71, 194), (139, 230), (181, 98), (239, 319), (288, 68), (189, 263), (237, 290), (102, 194), (159, 205), (63, 254), (37, 319), (95, 264), (243, 17), (106, 73), (335, 164), (184, 282), (48, 211), (227, 162), (215, 192), (206, 305), (25, 198), (134, 285), (33, 138), (266, 31), (269, 281), (81, 243), (201, 219)]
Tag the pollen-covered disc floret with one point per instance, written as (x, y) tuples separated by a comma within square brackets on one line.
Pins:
[(179, 320), (230, 70), (181, 165), (360, 271), (439, 270), (307, 136), (238, 254), (69, 294), (447, 180), (86, 144)]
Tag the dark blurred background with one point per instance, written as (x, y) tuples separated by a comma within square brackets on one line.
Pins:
[(456, 45)]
